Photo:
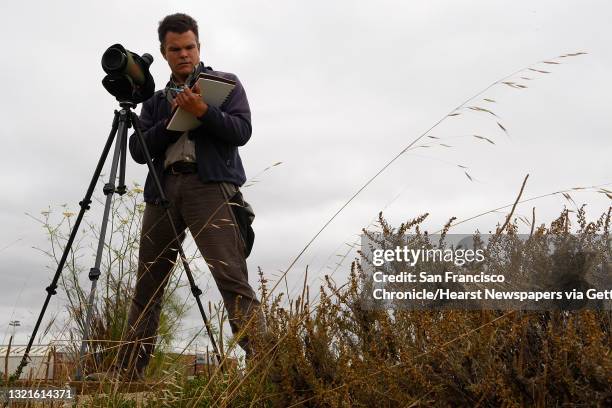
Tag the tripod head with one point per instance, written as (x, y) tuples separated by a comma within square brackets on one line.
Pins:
[(128, 104)]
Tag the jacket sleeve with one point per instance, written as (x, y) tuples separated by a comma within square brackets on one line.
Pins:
[(154, 132), (231, 123)]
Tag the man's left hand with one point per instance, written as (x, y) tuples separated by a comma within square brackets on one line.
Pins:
[(192, 102)]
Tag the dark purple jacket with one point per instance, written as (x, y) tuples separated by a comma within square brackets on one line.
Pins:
[(216, 139)]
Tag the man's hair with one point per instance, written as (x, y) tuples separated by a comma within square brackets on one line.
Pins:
[(177, 23)]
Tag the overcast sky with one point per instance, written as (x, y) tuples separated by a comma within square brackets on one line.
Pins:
[(336, 90)]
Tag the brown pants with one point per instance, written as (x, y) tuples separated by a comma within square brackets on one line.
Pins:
[(203, 208)]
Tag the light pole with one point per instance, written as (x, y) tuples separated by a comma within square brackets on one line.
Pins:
[(14, 324)]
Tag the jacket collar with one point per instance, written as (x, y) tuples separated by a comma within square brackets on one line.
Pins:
[(197, 70)]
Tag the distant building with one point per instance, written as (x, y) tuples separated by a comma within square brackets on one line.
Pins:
[(200, 363), (54, 362), (42, 361)]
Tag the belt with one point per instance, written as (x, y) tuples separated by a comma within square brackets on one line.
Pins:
[(182, 167)]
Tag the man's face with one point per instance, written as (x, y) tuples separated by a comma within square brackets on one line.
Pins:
[(182, 51)]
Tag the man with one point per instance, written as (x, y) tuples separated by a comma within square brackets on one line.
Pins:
[(200, 171)]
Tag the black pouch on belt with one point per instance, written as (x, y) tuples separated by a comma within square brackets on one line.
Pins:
[(244, 215)]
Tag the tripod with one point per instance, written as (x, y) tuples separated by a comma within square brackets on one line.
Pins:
[(122, 121)]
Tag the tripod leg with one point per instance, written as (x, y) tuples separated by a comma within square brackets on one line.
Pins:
[(195, 290), (84, 204), (121, 188), (94, 273)]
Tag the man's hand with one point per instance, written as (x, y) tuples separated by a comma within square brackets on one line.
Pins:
[(192, 101)]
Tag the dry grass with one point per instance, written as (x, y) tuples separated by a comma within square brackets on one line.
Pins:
[(336, 354), (333, 353)]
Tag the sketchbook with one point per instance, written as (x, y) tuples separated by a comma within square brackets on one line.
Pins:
[(214, 90)]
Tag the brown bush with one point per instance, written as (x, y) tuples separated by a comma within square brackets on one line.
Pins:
[(336, 354)]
